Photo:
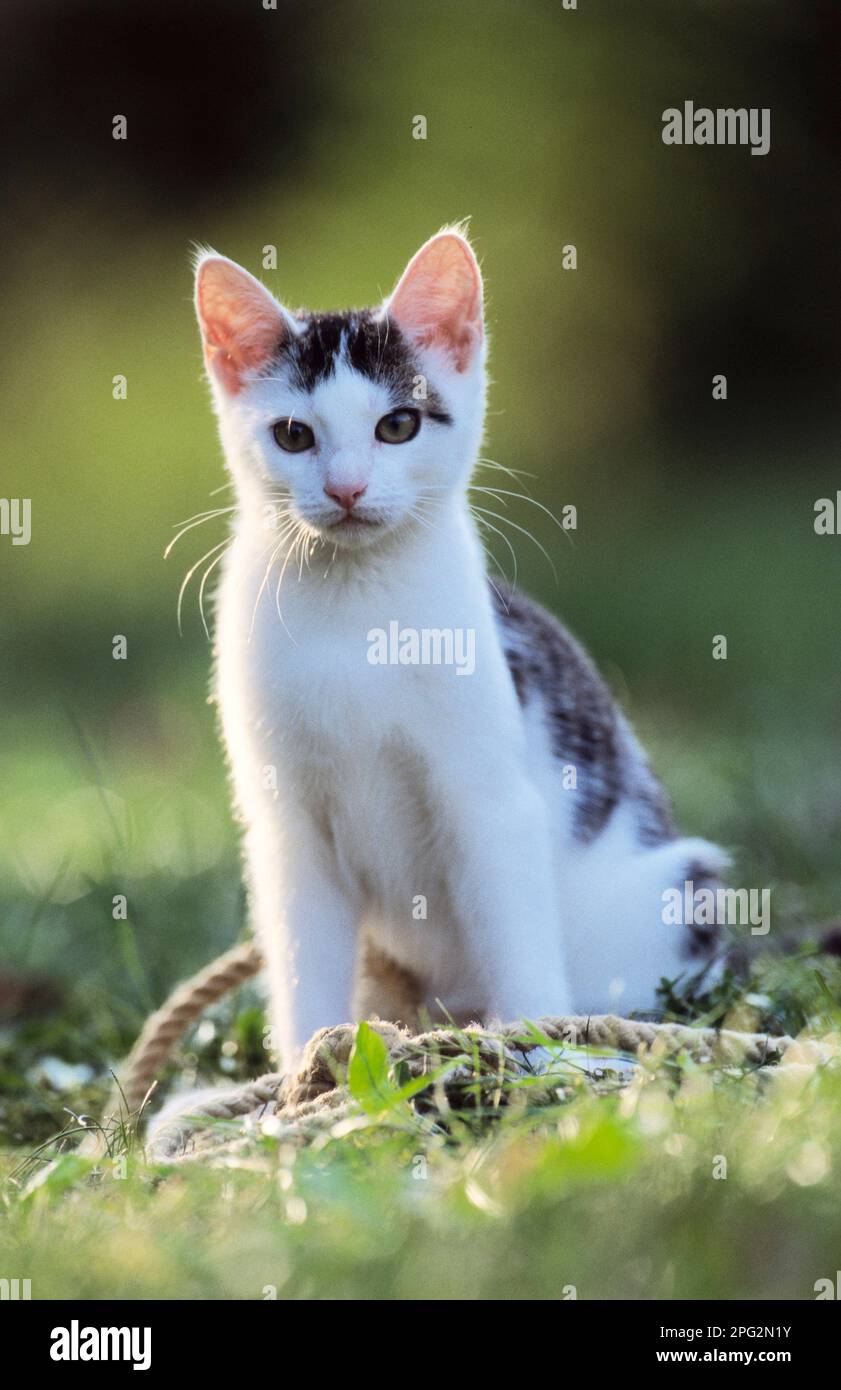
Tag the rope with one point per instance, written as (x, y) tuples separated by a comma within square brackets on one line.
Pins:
[(168, 1024), (315, 1094), (328, 1052)]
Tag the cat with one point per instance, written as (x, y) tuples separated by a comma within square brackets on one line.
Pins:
[(411, 836)]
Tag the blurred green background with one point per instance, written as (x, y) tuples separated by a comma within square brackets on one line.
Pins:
[(293, 127)]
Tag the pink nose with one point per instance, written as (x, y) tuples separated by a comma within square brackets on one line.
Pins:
[(347, 495)]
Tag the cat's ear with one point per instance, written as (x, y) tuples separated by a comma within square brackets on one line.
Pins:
[(241, 324), (438, 301)]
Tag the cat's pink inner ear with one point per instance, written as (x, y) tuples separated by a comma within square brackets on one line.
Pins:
[(241, 324), (438, 302)]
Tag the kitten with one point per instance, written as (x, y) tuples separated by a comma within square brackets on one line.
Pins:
[(410, 833)]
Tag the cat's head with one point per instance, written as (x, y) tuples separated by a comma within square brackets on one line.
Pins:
[(363, 421)]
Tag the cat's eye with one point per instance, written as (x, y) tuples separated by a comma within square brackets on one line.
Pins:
[(293, 436), (398, 426)]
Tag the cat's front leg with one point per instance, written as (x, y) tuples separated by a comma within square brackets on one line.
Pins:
[(507, 898), (307, 925)]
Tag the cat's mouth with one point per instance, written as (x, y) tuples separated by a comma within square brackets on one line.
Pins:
[(350, 519), (352, 528)]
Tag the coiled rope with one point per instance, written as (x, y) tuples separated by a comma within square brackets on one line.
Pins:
[(328, 1052)]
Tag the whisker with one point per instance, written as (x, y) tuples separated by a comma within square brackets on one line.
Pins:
[(523, 497), (500, 493), (303, 549), (506, 520), (418, 514), (503, 601), (204, 579), (501, 572), (503, 468), (198, 520), (211, 511), (286, 529), (490, 492), (188, 576), (289, 554), (483, 522), (263, 584)]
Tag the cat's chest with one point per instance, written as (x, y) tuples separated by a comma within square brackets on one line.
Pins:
[(336, 675), (356, 745), (335, 679), (330, 682)]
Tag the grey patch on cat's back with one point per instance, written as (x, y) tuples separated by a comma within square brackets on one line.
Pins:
[(586, 728), (369, 343)]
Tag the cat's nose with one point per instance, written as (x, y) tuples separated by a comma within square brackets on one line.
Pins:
[(346, 494)]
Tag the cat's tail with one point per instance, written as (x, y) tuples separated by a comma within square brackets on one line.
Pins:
[(164, 1028)]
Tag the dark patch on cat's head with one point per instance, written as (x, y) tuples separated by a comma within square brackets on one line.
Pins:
[(369, 343)]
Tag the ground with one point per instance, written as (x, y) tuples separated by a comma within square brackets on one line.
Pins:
[(686, 1180)]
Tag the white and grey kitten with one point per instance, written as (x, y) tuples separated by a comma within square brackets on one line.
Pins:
[(410, 832)]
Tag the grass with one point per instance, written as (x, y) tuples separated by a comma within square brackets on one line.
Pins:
[(492, 1188), (685, 1182)]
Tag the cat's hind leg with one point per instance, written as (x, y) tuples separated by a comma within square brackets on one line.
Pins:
[(623, 936), (386, 989)]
